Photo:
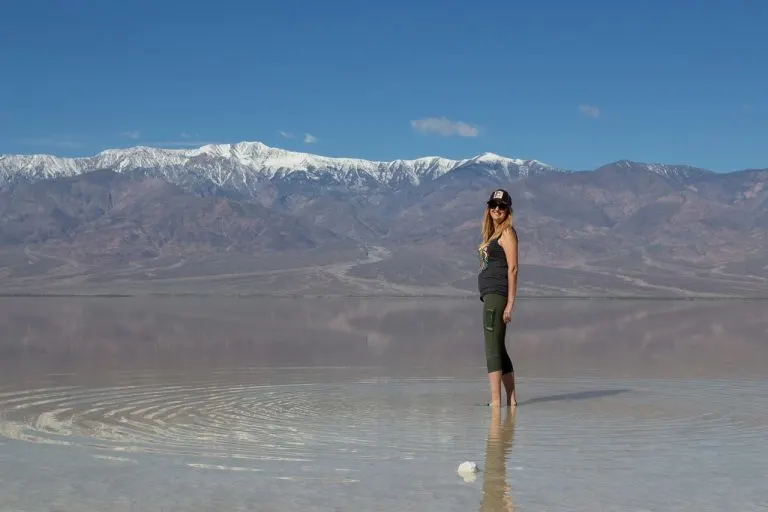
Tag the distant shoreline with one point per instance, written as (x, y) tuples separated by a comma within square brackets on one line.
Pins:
[(371, 296)]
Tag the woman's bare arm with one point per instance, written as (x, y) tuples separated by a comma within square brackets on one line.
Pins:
[(508, 241)]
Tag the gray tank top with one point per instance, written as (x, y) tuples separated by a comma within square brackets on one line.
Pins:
[(493, 270)]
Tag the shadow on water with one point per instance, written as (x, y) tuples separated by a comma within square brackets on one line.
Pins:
[(579, 395), (496, 494), (496, 491)]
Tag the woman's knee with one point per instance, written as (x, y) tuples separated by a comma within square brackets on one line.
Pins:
[(494, 363)]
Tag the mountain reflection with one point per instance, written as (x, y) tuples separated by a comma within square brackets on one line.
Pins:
[(681, 338)]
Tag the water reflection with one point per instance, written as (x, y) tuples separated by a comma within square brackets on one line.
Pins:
[(501, 434), (430, 336), (200, 404)]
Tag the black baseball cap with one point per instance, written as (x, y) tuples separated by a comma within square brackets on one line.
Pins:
[(500, 196)]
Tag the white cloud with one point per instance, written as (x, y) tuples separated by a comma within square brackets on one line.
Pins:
[(133, 134), (185, 135), (445, 127), (287, 135), (309, 139), (590, 110)]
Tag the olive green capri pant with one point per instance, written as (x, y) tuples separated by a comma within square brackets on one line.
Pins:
[(495, 331)]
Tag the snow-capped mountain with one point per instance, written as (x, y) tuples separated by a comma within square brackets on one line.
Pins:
[(240, 166), (238, 208), (675, 172)]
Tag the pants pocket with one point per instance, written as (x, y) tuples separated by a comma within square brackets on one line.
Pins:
[(489, 317)]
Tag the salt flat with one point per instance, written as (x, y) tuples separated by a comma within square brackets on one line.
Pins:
[(246, 404)]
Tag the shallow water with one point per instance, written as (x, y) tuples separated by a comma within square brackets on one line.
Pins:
[(373, 404)]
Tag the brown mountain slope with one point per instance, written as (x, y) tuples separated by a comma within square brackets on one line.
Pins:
[(622, 229), (104, 217)]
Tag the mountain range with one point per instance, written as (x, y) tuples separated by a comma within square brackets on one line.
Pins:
[(247, 218)]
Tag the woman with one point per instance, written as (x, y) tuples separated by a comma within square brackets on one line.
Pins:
[(497, 283)]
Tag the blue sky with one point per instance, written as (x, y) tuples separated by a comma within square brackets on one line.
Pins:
[(575, 84)]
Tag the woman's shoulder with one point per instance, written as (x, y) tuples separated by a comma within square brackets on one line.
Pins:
[(509, 233)]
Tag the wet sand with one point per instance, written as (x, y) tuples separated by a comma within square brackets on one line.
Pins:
[(195, 405)]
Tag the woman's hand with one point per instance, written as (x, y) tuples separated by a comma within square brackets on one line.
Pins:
[(508, 312)]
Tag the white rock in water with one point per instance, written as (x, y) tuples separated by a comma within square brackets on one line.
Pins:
[(467, 471)]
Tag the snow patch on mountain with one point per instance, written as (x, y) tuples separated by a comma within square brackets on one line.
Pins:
[(248, 162), (670, 171)]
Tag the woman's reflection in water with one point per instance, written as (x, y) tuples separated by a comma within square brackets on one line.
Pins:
[(496, 491)]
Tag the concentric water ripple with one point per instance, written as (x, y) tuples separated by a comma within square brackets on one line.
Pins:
[(406, 419), (290, 422), (577, 444)]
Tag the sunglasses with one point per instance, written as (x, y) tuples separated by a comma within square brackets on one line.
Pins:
[(497, 205)]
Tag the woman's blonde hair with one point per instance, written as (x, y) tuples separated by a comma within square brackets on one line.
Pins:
[(491, 232)]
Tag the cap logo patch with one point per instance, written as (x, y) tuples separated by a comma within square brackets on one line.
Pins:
[(498, 194)]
